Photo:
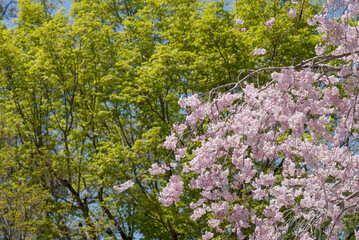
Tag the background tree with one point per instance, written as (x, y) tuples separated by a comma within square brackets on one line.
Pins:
[(89, 97)]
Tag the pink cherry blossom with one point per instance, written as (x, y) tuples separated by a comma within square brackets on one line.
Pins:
[(239, 21), (292, 12), (207, 236), (320, 50), (124, 186), (171, 142), (259, 51), (156, 169), (179, 128), (270, 22), (172, 192)]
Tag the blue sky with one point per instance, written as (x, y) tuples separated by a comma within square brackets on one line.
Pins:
[(66, 5)]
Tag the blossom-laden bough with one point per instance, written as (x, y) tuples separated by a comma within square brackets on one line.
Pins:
[(280, 160)]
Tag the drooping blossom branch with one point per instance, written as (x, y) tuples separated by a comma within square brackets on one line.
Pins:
[(279, 160)]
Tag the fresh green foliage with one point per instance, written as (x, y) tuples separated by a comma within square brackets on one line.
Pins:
[(88, 97)]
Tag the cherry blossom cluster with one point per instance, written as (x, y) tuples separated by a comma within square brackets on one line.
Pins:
[(287, 147), (259, 51), (172, 192), (281, 160), (270, 22), (124, 186)]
